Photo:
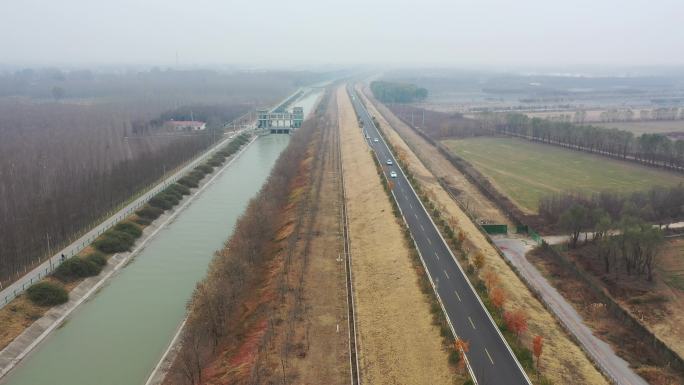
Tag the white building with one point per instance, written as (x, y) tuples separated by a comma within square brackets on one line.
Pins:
[(187, 125)]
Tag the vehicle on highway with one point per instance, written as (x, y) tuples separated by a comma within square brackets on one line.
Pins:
[(375, 140), (389, 162), (393, 174)]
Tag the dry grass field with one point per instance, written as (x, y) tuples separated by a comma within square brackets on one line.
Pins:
[(668, 321)]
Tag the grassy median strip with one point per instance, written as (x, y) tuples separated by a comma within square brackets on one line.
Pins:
[(396, 332), (438, 317)]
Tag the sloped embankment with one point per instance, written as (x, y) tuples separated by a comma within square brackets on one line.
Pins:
[(254, 318)]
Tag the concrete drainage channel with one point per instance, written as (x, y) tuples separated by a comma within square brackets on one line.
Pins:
[(355, 373)]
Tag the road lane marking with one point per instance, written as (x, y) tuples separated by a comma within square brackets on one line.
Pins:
[(471, 322), (411, 204), (445, 273), (429, 241), (415, 215), (457, 296), (422, 228), (436, 255), (490, 357)]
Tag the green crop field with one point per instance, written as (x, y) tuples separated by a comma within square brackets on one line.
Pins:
[(526, 171)]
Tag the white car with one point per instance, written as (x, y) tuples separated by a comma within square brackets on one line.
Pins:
[(375, 140), (389, 162), (393, 174)]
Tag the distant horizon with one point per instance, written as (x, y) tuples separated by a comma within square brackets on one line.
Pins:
[(387, 33), (586, 70)]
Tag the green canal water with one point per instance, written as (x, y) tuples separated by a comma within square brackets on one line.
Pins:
[(117, 337)]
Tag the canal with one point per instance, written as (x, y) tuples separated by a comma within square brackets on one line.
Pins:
[(119, 334)]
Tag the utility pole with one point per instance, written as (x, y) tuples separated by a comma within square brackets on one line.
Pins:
[(422, 125), (47, 235), (412, 119)]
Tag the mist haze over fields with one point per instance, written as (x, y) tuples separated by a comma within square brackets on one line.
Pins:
[(341, 192), (489, 33)]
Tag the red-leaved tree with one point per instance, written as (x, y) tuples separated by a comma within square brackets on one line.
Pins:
[(516, 321), (498, 298), (537, 346)]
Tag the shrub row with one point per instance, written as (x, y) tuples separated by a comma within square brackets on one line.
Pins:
[(80, 267), (114, 241), (47, 294)]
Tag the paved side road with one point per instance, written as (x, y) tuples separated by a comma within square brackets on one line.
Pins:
[(10, 292), (611, 365), (490, 358)]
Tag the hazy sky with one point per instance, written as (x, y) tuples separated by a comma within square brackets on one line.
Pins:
[(273, 32)]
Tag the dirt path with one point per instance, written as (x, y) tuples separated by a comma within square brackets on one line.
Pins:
[(397, 342), (324, 329), (562, 361)]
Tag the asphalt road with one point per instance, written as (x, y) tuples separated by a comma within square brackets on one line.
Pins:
[(614, 367), (490, 358)]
